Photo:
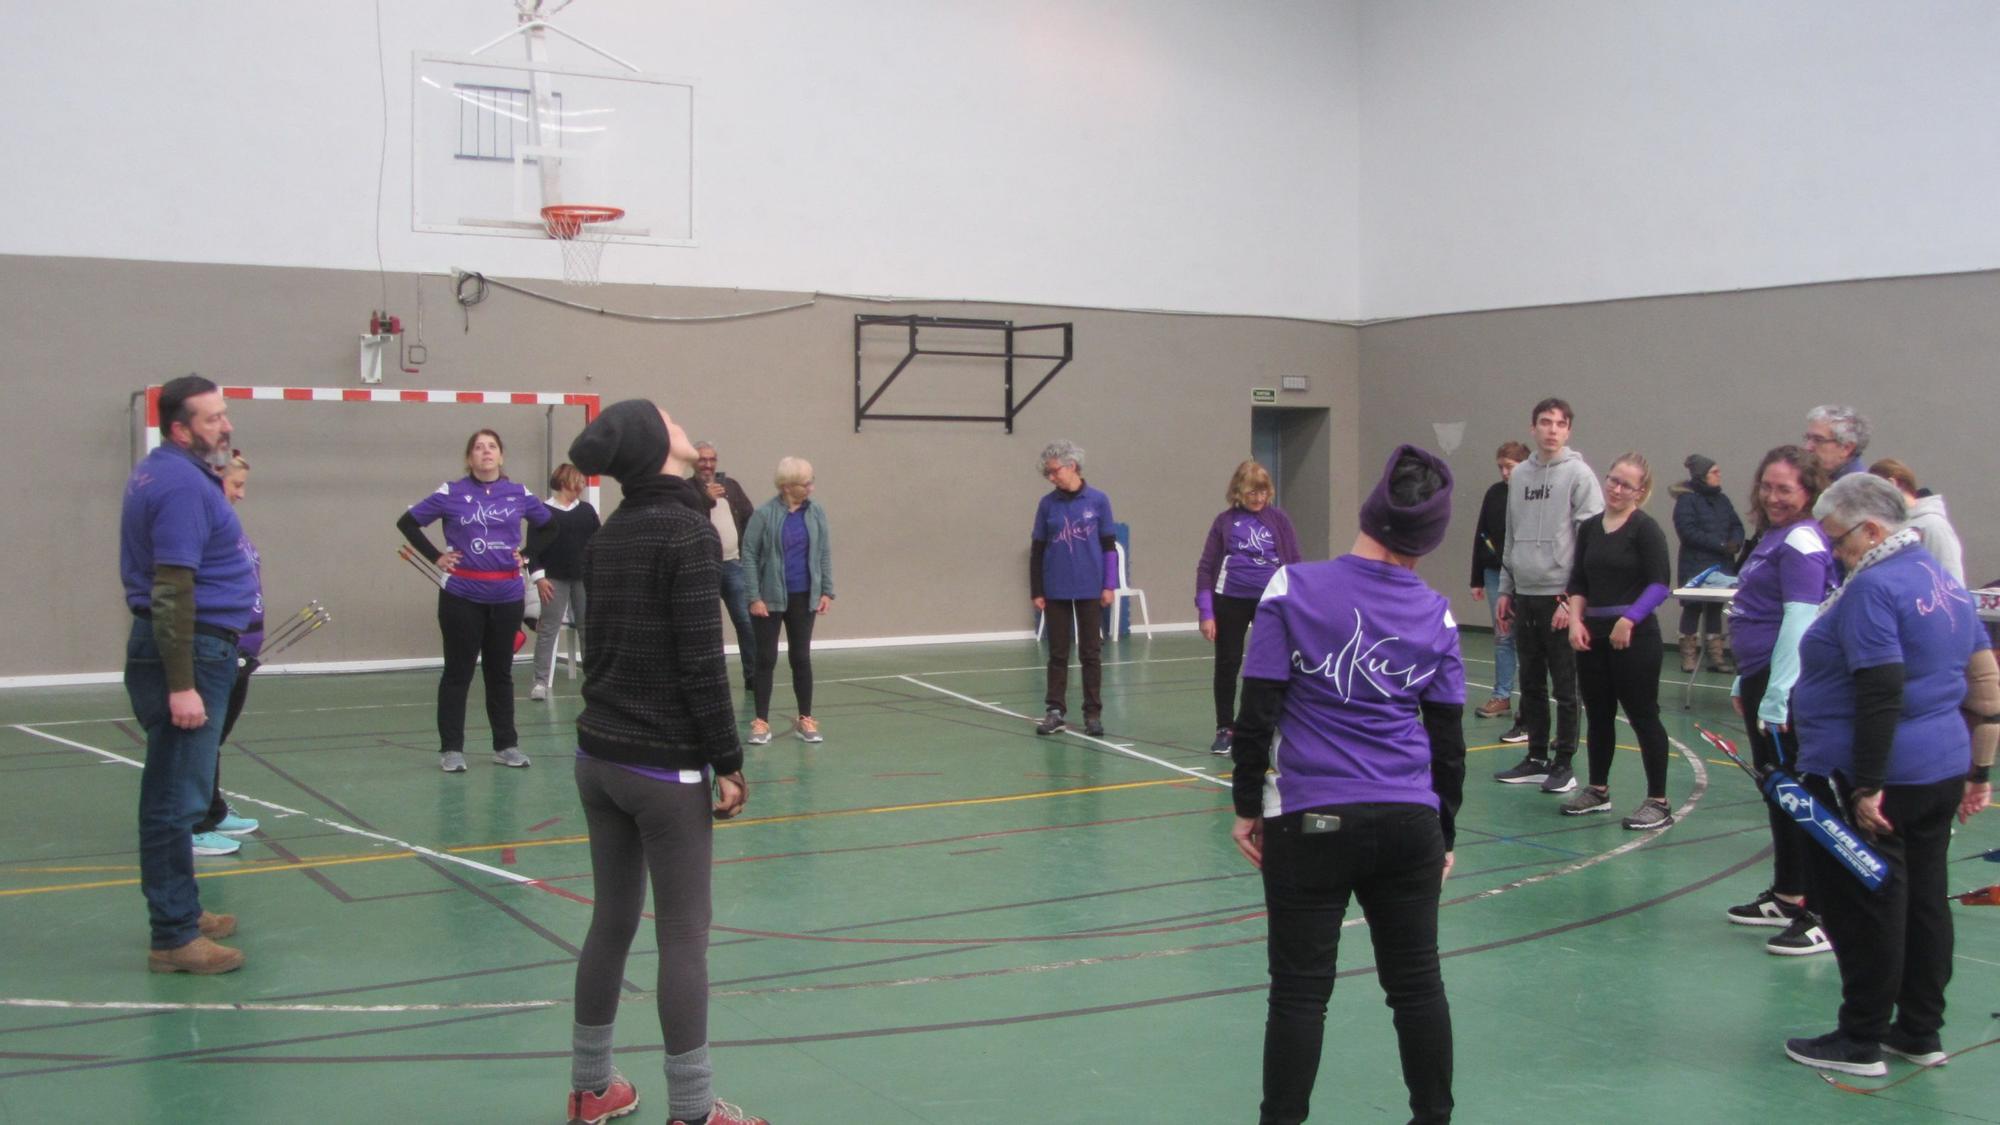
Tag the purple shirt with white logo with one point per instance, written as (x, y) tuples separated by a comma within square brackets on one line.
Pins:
[(1903, 610), (1791, 564), (1243, 550), (1362, 645), (482, 522), (1075, 566)]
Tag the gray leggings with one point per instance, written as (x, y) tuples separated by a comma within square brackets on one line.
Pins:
[(567, 593), (638, 825)]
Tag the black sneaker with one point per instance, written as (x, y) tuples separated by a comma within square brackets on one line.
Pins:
[(1531, 769), (1052, 723), (1516, 733), (1560, 779), (1924, 1050), (1837, 1050), (1093, 726), (1220, 747), (1766, 909), (1803, 937)]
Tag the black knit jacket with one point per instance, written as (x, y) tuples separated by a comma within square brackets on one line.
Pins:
[(655, 688)]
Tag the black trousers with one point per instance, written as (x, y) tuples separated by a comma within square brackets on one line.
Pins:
[(1078, 623), (1390, 858), (1547, 664), (1708, 615), (1232, 624), (483, 634), (1894, 945), (217, 807), (1789, 844), (1610, 678), (797, 622)]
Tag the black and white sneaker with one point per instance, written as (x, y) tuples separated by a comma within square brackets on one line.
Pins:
[(1052, 723), (1516, 734), (1093, 726), (1531, 769), (1803, 937), (1837, 1050), (1924, 1050), (1559, 780), (1220, 747), (1766, 909)]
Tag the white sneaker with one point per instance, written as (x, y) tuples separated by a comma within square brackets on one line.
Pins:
[(511, 756), (539, 691)]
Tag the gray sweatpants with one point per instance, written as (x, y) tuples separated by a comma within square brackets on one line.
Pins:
[(565, 593)]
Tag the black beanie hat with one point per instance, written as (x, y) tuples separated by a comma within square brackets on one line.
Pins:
[(1411, 504), (1698, 467), (627, 442)]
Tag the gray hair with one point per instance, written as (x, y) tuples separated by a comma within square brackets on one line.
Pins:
[(1065, 451), (1859, 498), (1847, 424), (701, 445)]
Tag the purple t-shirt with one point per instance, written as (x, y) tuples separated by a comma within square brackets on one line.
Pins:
[(1250, 555), (1362, 644), (1074, 566), (1791, 564), (175, 514), (1903, 610), (482, 522), (798, 574)]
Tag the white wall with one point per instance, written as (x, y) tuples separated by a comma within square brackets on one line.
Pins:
[(1134, 153), (1548, 151)]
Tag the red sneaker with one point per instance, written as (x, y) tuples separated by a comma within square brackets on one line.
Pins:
[(725, 1114), (615, 1100)]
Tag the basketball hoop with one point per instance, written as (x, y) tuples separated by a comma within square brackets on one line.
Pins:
[(579, 229)]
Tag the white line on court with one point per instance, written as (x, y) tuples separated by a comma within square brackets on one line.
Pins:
[(163, 1006), (419, 849), (1125, 750)]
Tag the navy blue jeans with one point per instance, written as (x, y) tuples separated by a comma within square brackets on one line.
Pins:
[(1390, 858), (736, 599), (180, 772)]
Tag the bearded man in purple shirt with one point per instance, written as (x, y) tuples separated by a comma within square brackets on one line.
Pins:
[(190, 581), (1354, 663)]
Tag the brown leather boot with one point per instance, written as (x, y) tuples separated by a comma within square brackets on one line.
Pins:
[(1719, 659), (1690, 651), (217, 926), (201, 957)]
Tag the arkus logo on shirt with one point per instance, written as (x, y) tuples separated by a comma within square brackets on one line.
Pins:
[(1358, 659)]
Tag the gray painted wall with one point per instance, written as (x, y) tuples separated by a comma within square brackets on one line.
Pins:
[(929, 521), (1726, 375)]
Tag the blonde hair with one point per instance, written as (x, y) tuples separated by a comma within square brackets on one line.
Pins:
[(236, 463), (1250, 476), (567, 478), (1645, 475), (793, 470)]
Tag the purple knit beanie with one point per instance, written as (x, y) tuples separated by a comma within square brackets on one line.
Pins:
[(1411, 504)]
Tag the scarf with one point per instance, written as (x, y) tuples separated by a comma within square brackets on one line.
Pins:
[(1901, 540)]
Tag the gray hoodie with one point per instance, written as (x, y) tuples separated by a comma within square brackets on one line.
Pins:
[(1928, 517), (1545, 502)]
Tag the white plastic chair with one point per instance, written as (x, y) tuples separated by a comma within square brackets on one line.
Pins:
[(1127, 590)]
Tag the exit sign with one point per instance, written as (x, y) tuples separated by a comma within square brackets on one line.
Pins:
[(1263, 394)]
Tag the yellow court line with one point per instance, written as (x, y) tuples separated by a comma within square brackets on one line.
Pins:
[(340, 861)]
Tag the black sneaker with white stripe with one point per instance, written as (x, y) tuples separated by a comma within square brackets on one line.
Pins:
[(1837, 1050), (1766, 909), (1803, 937), (1531, 769)]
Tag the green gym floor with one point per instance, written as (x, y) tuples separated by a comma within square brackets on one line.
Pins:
[(935, 916)]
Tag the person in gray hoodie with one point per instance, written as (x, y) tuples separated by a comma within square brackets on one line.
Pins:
[(1927, 516), (1548, 496)]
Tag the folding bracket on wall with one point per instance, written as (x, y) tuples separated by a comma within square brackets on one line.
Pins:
[(1009, 334)]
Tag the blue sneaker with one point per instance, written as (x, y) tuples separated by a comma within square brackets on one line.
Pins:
[(215, 843), (235, 824)]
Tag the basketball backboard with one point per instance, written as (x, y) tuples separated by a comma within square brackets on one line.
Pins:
[(496, 139)]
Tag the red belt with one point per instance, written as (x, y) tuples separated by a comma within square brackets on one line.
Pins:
[(485, 575)]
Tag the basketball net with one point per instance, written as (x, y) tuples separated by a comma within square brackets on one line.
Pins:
[(581, 230)]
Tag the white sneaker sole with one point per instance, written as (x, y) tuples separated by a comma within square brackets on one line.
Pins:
[(1864, 1070), (1926, 1058)]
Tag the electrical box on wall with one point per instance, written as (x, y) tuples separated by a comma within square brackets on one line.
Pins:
[(1294, 383)]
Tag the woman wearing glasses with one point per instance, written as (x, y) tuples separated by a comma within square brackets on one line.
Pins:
[(1246, 545), (1619, 578), (790, 569), (1780, 585)]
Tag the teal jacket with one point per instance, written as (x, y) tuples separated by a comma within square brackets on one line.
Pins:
[(763, 550)]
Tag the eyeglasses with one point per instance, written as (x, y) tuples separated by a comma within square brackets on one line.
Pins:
[(1814, 441), (1622, 484), (1842, 537)]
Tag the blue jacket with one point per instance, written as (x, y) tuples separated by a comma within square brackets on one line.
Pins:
[(1711, 532), (763, 549)]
